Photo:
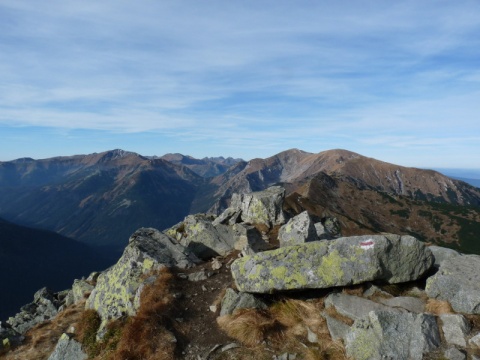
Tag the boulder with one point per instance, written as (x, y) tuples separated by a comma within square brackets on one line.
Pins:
[(247, 236), (299, 229), (68, 348), (442, 253), (455, 329), (262, 207), (45, 306), (238, 300), (330, 263), (392, 335), (353, 307), (204, 239), (118, 289), (81, 289), (457, 282)]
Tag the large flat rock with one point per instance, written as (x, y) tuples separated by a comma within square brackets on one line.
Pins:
[(329, 263), (457, 282)]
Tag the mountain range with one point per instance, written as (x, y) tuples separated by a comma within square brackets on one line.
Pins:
[(101, 198)]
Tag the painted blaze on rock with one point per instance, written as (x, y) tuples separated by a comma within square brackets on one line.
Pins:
[(329, 263)]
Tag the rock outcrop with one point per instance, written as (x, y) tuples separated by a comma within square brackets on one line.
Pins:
[(45, 306), (117, 292), (298, 230), (262, 207), (330, 263), (457, 282)]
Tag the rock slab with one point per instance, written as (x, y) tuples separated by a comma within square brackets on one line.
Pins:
[(392, 335), (329, 263), (457, 282)]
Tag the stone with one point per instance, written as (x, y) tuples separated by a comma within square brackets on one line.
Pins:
[(45, 306), (262, 207), (353, 307), (199, 276), (454, 354), (9, 337), (298, 230), (338, 329), (408, 303), (475, 341), (373, 290), (457, 282), (329, 263), (455, 329), (68, 348), (234, 300), (442, 253), (81, 289), (216, 264), (392, 335), (204, 239), (118, 289), (247, 236)]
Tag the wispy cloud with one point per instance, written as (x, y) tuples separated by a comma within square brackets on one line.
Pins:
[(244, 76)]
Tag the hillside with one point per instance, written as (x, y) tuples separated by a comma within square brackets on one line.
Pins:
[(31, 259), (99, 198)]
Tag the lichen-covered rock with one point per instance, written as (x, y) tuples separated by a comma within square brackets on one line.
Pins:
[(238, 300), (455, 329), (81, 289), (457, 282), (392, 335), (329, 263), (204, 239), (45, 306), (68, 348), (298, 230), (118, 289), (8, 336), (262, 207), (336, 328)]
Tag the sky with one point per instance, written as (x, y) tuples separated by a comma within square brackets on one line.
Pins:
[(398, 81)]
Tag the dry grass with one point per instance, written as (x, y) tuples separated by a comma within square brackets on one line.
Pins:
[(249, 326), (148, 335), (438, 307), (284, 327), (42, 339)]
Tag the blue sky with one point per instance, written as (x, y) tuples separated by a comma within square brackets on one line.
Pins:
[(397, 81)]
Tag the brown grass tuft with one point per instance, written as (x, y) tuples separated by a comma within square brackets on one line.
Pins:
[(249, 326), (438, 307)]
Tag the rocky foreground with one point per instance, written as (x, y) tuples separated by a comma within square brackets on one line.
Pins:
[(260, 285)]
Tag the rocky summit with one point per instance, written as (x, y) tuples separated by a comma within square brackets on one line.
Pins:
[(259, 282)]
